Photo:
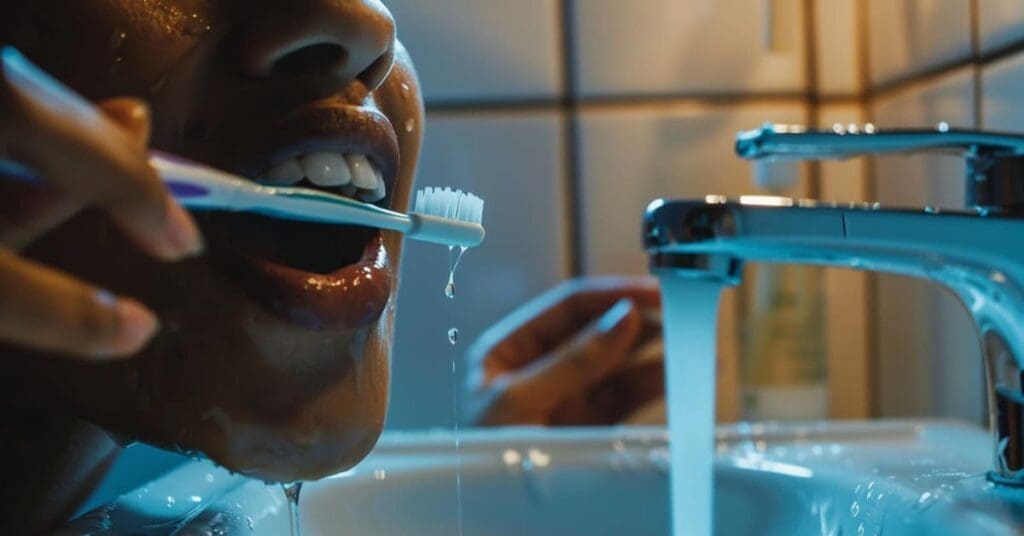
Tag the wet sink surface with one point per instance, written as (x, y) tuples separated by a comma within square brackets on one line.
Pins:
[(823, 478)]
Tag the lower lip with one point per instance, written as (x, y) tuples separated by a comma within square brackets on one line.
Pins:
[(349, 298)]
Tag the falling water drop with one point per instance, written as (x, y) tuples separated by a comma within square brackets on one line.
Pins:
[(453, 336), (449, 290)]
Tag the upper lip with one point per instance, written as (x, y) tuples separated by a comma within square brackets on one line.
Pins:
[(328, 128)]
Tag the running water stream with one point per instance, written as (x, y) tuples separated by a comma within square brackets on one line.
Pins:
[(453, 338), (691, 316)]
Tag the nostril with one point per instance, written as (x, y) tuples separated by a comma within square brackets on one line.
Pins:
[(374, 75), (318, 58)]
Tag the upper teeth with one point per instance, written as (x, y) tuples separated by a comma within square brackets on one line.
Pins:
[(354, 173)]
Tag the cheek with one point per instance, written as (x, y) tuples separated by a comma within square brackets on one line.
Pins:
[(399, 98), (103, 48)]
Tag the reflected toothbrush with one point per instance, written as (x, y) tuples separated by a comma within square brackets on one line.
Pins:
[(440, 215)]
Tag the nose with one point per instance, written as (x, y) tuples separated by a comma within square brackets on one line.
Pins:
[(345, 39)]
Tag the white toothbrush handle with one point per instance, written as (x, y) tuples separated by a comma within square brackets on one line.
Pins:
[(200, 187)]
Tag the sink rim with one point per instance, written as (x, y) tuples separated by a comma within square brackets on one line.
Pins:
[(864, 442)]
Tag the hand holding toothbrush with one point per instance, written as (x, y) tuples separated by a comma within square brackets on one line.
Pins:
[(91, 158), (565, 358)]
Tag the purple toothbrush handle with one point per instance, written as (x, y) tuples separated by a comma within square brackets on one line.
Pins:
[(185, 190)]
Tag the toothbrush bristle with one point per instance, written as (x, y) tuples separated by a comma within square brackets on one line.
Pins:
[(450, 204)]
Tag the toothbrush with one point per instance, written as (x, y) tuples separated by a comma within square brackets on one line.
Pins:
[(442, 216)]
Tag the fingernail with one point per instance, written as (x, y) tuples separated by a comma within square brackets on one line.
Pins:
[(136, 325), (612, 318), (182, 231)]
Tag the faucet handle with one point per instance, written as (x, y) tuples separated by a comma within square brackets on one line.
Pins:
[(995, 161), (773, 141)]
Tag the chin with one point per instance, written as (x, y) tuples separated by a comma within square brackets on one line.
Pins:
[(258, 383)]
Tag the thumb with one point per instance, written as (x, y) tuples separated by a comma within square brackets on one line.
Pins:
[(593, 354), (131, 114)]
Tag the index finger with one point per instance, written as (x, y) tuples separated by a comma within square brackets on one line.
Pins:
[(89, 157)]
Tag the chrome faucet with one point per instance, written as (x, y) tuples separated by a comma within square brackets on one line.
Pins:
[(978, 253)]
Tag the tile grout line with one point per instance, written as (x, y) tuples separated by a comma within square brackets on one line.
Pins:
[(624, 101), (572, 104), (976, 58), (976, 53), (979, 116), (814, 187), (571, 172), (874, 390)]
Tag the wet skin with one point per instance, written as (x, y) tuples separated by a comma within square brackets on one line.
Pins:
[(273, 353)]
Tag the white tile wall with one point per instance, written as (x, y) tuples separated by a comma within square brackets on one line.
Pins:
[(929, 363), (1001, 23), (688, 46), (1003, 86), (911, 36), (847, 293), (477, 50), (838, 50), (515, 162), (631, 156)]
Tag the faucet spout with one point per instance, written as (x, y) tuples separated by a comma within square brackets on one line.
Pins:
[(977, 257)]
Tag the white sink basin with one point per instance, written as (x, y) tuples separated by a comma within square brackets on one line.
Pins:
[(826, 478)]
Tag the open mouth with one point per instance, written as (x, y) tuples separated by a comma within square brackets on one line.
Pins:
[(317, 275), (304, 246)]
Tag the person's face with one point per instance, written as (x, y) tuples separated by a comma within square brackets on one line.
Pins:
[(274, 348)]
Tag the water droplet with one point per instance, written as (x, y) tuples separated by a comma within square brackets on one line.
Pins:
[(170, 501), (449, 290), (453, 336), (410, 125), (405, 90), (855, 509), (209, 477), (860, 529)]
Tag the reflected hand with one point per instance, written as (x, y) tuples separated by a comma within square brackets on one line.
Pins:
[(89, 157), (565, 357)]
